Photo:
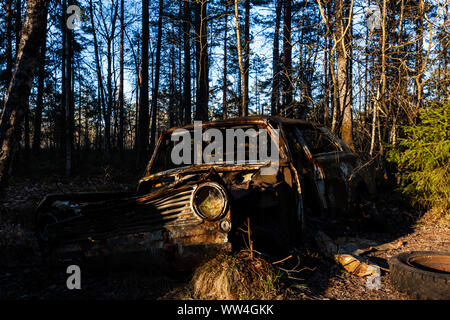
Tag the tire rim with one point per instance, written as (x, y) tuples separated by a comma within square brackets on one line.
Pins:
[(432, 263)]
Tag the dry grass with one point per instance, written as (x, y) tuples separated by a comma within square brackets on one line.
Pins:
[(235, 277)]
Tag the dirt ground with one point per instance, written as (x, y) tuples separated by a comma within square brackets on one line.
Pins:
[(307, 275), (328, 281)]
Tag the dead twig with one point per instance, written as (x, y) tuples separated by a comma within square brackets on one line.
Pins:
[(282, 260), (249, 234), (297, 271)]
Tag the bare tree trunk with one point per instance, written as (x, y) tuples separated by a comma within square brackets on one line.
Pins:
[(19, 90), (326, 64), (202, 96), (8, 49), (156, 83), (18, 9), (171, 107), (379, 102), (40, 95), (246, 57), (143, 123), (445, 54), (26, 135), (374, 122), (109, 104), (345, 103), (334, 92), (179, 56), (419, 54), (98, 68), (225, 62), (287, 55), (275, 97), (64, 82), (121, 102), (187, 62), (109, 77), (382, 98), (241, 65), (68, 97)]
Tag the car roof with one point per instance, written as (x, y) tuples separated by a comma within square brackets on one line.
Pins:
[(248, 120)]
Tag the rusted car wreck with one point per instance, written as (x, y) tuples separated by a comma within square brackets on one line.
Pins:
[(181, 212)]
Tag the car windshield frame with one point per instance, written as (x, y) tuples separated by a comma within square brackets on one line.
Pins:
[(154, 169)]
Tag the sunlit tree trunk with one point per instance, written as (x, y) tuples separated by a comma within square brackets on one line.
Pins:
[(246, 57), (287, 55), (419, 53), (342, 61), (241, 63), (187, 62), (326, 86), (379, 103), (16, 101), (143, 121), (275, 96), (225, 62)]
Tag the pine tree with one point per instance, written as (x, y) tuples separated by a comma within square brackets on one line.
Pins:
[(424, 162)]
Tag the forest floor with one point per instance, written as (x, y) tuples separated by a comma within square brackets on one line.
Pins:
[(23, 276)]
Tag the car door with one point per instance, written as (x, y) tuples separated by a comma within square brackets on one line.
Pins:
[(325, 163), (334, 161), (311, 175)]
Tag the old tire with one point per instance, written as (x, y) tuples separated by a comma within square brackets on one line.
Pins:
[(422, 275)]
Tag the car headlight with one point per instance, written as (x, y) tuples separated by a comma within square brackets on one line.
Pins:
[(209, 201)]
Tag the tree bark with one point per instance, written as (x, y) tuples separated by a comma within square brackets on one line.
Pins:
[(326, 84), (16, 101), (121, 98), (345, 104), (187, 62), (243, 110), (143, 123), (202, 88), (225, 65), (287, 55), (64, 100), (40, 94), (8, 49), (18, 9), (419, 53), (155, 91), (171, 107), (109, 76), (275, 96), (68, 91), (101, 90), (246, 57)]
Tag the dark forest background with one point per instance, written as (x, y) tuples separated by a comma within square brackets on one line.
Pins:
[(102, 92)]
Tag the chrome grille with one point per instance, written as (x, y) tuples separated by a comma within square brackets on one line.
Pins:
[(176, 205), (140, 215)]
